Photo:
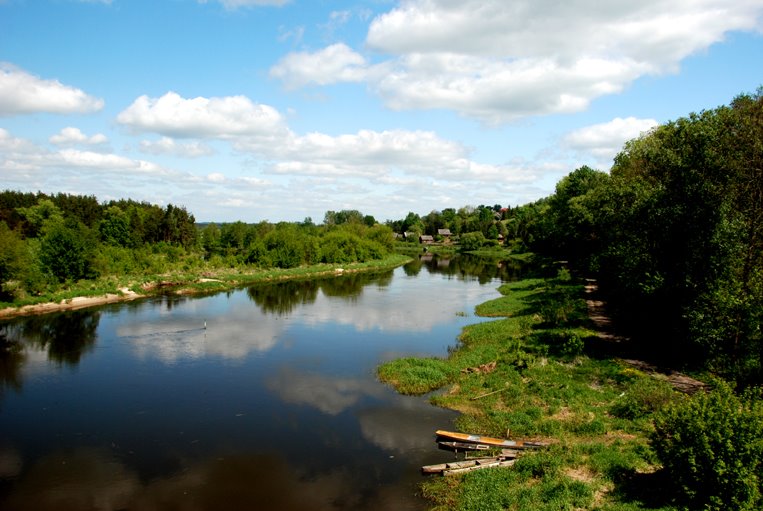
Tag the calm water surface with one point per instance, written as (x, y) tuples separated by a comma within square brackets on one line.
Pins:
[(275, 405)]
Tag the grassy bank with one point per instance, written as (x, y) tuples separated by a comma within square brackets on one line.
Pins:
[(206, 279), (534, 373)]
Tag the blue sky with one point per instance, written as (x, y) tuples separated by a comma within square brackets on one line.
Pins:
[(284, 109)]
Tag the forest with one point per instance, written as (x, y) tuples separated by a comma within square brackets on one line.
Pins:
[(49, 242)]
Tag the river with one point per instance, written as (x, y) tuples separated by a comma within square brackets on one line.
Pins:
[(257, 398)]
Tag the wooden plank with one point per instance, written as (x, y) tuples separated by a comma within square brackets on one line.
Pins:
[(479, 466), (469, 462)]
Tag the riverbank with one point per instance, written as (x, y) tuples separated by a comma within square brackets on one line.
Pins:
[(127, 288), (541, 371)]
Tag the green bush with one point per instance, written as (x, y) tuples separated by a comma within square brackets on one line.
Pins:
[(644, 396), (712, 447), (562, 343), (472, 241), (339, 247)]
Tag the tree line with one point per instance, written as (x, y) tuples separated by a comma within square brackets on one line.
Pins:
[(674, 233), (47, 241)]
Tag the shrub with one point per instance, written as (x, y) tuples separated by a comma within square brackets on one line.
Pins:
[(712, 447), (472, 241), (644, 396), (561, 343), (339, 247)]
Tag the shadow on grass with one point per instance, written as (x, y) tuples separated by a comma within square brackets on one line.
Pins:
[(651, 491)]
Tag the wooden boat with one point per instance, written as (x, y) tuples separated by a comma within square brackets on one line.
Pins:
[(462, 446), (459, 467), (486, 440)]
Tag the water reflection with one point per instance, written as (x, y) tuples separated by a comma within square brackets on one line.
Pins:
[(281, 298), (232, 335), (66, 337), (398, 428), (284, 297), (273, 405), (349, 286), (463, 266), (12, 359), (91, 479), (327, 393)]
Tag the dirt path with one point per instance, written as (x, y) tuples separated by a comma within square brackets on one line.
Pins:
[(605, 331)]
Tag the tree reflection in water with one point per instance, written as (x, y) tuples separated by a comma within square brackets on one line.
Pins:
[(66, 336), (283, 297), (466, 266), (11, 361)]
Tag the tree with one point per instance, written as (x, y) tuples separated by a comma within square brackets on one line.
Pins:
[(41, 217), (11, 254), (571, 231), (210, 240), (64, 252), (472, 241), (114, 228)]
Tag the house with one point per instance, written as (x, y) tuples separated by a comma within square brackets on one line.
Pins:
[(445, 233), (426, 238)]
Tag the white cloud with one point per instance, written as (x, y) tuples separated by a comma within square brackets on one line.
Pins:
[(200, 117), (499, 90), (603, 141), (166, 145), (20, 154), (23, 93), (73, 136), (498, 61), (91, 160), (335, 63), (375, 154), (13, 145)]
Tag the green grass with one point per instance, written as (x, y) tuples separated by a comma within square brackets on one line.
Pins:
[(416, 375), (595, 412)]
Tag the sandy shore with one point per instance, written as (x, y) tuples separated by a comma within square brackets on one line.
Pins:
[(79, 302)]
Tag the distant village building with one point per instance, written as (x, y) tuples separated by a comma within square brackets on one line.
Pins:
[(426, 238), (445, 233)]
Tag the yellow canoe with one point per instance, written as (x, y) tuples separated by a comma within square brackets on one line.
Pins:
[(486, 440)]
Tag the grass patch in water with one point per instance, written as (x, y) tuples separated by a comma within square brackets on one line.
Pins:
[(416, 376)]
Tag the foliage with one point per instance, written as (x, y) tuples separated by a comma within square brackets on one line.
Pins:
[(675, 236), (11, 253), (64, 252), (712, 448), (472, 241), (54, 241), (642, 398)]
